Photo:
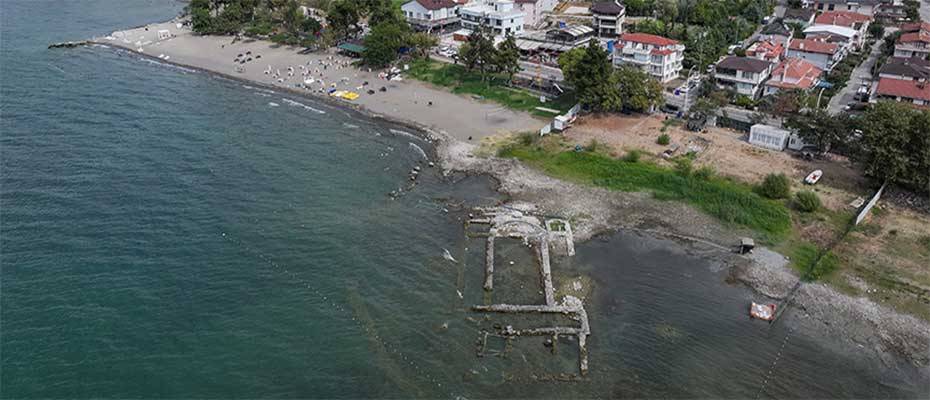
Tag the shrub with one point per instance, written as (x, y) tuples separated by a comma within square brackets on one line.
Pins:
[(664, 139), (632, 156), (775, 186), (807, 201), (704, 173), (683, 166), (527, 138)]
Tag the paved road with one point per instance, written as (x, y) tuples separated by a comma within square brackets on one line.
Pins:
[(847, 94)]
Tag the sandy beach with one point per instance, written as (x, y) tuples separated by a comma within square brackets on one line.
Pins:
[(408, 100)]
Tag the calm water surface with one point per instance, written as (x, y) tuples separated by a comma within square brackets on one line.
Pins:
[(169, 234)]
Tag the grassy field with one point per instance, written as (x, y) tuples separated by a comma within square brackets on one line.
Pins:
[(727, 200), (493, 88)]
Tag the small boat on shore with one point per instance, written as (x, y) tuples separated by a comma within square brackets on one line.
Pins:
[(765, 312), (813, 177)]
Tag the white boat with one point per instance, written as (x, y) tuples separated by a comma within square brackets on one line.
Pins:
[(813, 177)]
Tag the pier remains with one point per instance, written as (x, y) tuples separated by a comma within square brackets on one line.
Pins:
[(544, 235)]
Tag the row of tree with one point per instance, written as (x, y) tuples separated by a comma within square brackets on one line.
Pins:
[(890, 140), (283, 20), (602, 88), (480, 53), (706, 27)]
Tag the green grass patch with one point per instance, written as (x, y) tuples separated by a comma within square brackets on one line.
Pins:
[(493, 87), (726, 200)]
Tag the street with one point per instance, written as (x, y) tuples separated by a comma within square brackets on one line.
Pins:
[(860, 73)]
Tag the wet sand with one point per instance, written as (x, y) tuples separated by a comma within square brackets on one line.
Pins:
[(408, 100)]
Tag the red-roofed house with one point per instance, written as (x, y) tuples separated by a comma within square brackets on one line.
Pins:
[(430, 14), (914, 92), (914, 42), (793, 73), (766, 50), (846, 19), (657, 56), (822, 54)]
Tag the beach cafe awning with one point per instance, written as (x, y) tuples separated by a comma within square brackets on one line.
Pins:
[(352, 48)]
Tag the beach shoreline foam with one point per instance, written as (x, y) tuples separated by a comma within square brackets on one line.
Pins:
[(452, 123)]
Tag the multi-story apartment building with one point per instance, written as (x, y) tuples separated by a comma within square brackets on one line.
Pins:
[(501, 17), (744, 75), (657, 56), (609, 17)]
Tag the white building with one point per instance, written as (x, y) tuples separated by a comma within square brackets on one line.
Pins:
[(657, 56), (768, 137), (430, 14), (744, 75), (499, 16), (609, 17), (533, 10)]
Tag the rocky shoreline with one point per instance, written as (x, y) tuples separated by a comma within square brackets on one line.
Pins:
[(858, 323), (818, 308)]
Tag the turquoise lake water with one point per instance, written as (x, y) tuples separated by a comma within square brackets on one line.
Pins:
[(165, 233)]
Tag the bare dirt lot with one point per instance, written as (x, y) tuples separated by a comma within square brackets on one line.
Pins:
[(726, 150)]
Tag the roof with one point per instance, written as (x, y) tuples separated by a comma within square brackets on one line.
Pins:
[(911, 37), (841, 18), (607, 7), (827, 37), (834, 29), (795, 73), (903, 88), (915, 26), (776, 28), (862, 2), (437, 4), (352, 47), (744, 64), (812, 46), (765, 49), (647, 39), (803, 14), (914, 67)]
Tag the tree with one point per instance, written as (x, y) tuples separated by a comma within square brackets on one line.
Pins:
[(507, 60), (343, 17), (380, 11), (422, 43), (807, 201), (593, 78), (876, 30), (201, 21), (479, 52), (820, 129), (895, 145), (570, 59), (775, 186), (638, 91), (383, 43)]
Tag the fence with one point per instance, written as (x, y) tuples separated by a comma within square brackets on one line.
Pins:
[(868, 206)]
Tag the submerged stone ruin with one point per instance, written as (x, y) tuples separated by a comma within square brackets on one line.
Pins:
[(518, 221)]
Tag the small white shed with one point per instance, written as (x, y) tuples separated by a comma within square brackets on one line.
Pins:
[(768, 137)]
